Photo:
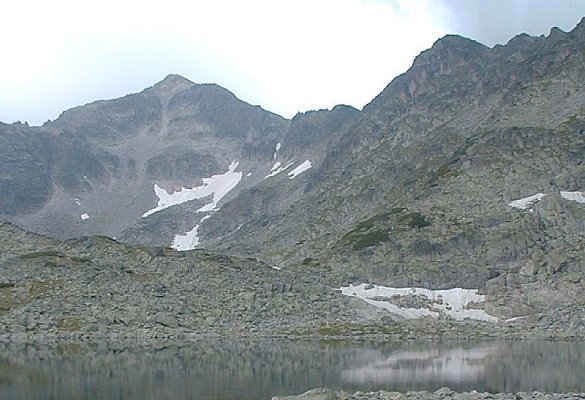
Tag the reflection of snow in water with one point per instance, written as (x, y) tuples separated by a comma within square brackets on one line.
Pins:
[(445, 366)]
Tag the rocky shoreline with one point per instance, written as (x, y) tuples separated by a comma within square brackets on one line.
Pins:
[(442, 393), (428, 330)]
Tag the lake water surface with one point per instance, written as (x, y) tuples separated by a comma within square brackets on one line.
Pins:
[(214, 370)]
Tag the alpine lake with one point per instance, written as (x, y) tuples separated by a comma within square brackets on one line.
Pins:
[(259, 369)]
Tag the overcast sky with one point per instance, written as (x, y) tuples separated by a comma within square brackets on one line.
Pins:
[(285, 55)]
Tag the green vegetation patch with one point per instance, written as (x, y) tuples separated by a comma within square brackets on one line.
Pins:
[(4, 285), (81, 259), (369, 239), (332, 330), (414, 220), (375, 230), (10, 298), (359, 329), (39, 254), (69, 324), (371, 232), (38, 289), (7, 301)]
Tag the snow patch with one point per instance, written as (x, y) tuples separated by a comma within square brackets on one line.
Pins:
[(526, 202), (451, 302), (216, 185), (275, 171), (249, 174), (275, 166), (77, 202), (579, 197), (84, 216), (276, 149), (300, 169), (188, 241)]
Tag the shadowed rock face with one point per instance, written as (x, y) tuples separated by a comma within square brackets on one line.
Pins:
[(25, 178), (414, 190)]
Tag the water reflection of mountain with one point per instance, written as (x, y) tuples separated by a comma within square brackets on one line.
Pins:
[(210, 370), (225, 370), (429, 367), (496, 367)]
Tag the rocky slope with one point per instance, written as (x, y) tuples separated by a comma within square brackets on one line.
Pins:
[(96, 288)]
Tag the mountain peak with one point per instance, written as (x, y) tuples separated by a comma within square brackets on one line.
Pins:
[(171, 85), (452, 47), (175, 79)]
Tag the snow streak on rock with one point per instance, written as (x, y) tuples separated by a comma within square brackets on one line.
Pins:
[(526, 202), (300, 169), (579, 197), (277, 168), (276, 149)]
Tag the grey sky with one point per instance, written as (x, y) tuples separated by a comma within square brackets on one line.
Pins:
[(496, 21), (285, 55)]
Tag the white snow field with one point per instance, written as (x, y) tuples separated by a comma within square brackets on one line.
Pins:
[(216, 185), (188, 241), (451, 302), (579, 197)]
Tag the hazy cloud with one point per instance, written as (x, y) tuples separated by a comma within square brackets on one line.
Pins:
[(286, 55), (497, 21)]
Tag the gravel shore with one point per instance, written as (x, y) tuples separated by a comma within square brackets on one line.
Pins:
[(442, 393)]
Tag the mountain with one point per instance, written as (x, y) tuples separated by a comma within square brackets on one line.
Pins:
[(417, 191), (465, 172), (93, 170)]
